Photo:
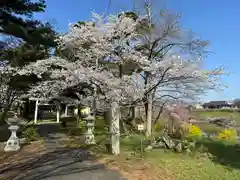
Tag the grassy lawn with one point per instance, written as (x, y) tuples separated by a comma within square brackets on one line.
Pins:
[(185, 167), (212, 128), (222, 162), (162, 164), (205, 114)]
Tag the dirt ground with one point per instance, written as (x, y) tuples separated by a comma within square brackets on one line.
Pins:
[(13, 159), (136, 169)]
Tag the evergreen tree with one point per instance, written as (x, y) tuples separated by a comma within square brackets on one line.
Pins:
[(16, 20), (24, 40)]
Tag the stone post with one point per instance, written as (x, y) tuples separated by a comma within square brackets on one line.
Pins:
[(115, 128), (13, 143)]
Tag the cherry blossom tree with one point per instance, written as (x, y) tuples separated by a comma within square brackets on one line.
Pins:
[(99, 51), (7, 94), (98, 42)]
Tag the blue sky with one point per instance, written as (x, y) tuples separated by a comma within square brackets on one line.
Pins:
[(214, 20)]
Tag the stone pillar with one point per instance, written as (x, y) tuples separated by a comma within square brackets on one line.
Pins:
[(115, 128)]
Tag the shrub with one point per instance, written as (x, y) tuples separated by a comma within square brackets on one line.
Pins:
[(159, 126), (68, 121), (30, 133), (191, 130), (82, 125), (99, 123), (228, 134)]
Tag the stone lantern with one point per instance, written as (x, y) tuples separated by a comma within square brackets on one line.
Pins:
[(13, 143), (90, 139)]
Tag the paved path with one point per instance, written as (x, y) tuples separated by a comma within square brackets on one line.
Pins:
[(59, 163), (66, 164)]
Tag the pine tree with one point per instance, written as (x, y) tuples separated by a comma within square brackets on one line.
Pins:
[(16, 20), (24, 40)]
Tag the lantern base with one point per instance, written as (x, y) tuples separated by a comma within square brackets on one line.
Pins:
[(89, 139), (13, 144)]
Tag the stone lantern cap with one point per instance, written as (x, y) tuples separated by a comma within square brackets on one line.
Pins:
[(13, 120)]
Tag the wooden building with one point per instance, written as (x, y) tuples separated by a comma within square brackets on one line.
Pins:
[(216, 105)]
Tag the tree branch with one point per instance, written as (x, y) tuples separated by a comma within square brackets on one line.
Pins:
[(159, 82)]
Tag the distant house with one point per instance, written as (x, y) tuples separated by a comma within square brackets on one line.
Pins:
[(198, 106), (216, 105)]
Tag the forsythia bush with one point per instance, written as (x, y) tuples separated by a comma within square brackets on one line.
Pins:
[(193, 130), (228, 134)]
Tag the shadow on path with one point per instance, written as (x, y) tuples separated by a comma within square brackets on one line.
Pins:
[(61, 164)]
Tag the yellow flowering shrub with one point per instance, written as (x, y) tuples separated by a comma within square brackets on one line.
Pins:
[(192, 130), (228, 134)]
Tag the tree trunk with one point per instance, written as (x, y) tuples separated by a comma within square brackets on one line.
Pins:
[(4, 113), (26, 110), (149, 116), (9, 100), (135, 112), (115, 128), (159, 114)]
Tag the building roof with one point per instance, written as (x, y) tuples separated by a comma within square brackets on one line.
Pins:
[(215, 103)]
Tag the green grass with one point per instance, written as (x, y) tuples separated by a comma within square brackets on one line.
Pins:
[(213, 128), (210, 128), (223, 164), (185, 167), (217, 113)]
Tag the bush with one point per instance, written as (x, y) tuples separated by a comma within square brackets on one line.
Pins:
[(159, 126), (74, 131), (228, 134), (186, 130), (100, 123), (193, 131), (81, 125), (30, 133)]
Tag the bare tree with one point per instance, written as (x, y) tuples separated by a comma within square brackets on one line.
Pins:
[(175, 58)]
